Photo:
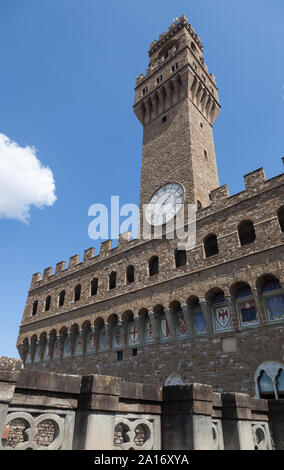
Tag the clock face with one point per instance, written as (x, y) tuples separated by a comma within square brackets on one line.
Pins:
[(164, 204)]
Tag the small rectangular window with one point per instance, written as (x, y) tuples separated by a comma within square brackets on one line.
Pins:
[(175, 67), (144, 91), (159, 79), (119, 355), (134, 352)]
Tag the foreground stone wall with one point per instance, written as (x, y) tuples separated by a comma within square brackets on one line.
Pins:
[(41, 410), (8, 363)]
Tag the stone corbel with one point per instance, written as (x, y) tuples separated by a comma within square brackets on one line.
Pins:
[(140, 323), (194, 88), (109, 334), (176, 91), (207, 312), (208, 107), (187, 79), (259, 306), (50, 344), (97, 331), (155, 320), (214, 113), (230, 300), (62, 339), (85, 333), (148, 108), (171, 319), (124, 333), (189, 319)]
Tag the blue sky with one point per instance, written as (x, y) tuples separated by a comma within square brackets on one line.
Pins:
[(68, 70)]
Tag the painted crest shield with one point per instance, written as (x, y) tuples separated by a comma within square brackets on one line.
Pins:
[(181, 325), (133, 334), (223, 316)]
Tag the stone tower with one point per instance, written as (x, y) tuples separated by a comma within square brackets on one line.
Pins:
[(177, 103)]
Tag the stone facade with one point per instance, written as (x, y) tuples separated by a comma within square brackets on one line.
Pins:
[(213, 318)]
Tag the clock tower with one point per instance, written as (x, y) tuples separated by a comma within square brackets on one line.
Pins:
[(177, 103)]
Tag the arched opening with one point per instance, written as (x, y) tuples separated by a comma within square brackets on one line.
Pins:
[(94, 286), (199, 321), (269, 380), (112, 280), (47, 303), (280, 215), (273, 297), (265, 384), (153, 266), (35, 306), (77, 293), (246, 232), (130, 274), (180, 258), (61, 298), (211, 245), (173, 379)]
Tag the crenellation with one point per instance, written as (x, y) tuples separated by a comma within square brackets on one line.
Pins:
[(89, 254), (124, 239), (47, 273), (73, 261), (36, 278), (255, 179), (219, 194), (60, 267), (105, 248)]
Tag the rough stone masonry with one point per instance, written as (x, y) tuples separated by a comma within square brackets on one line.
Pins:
[(149, 312)]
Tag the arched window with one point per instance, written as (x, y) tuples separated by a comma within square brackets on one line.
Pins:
[(180, 258), (246, 232), (211, 246), (246, 306), (198, 319), (112, 280), (130, 274), (273, 298), (153, 266), (35, 305), (61, 298), (94, 286), (280, 215), (47, 303), (77, 292), (271, 284), (269, 380)]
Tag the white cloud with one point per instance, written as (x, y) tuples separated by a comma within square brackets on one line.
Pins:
[(24, 182)]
